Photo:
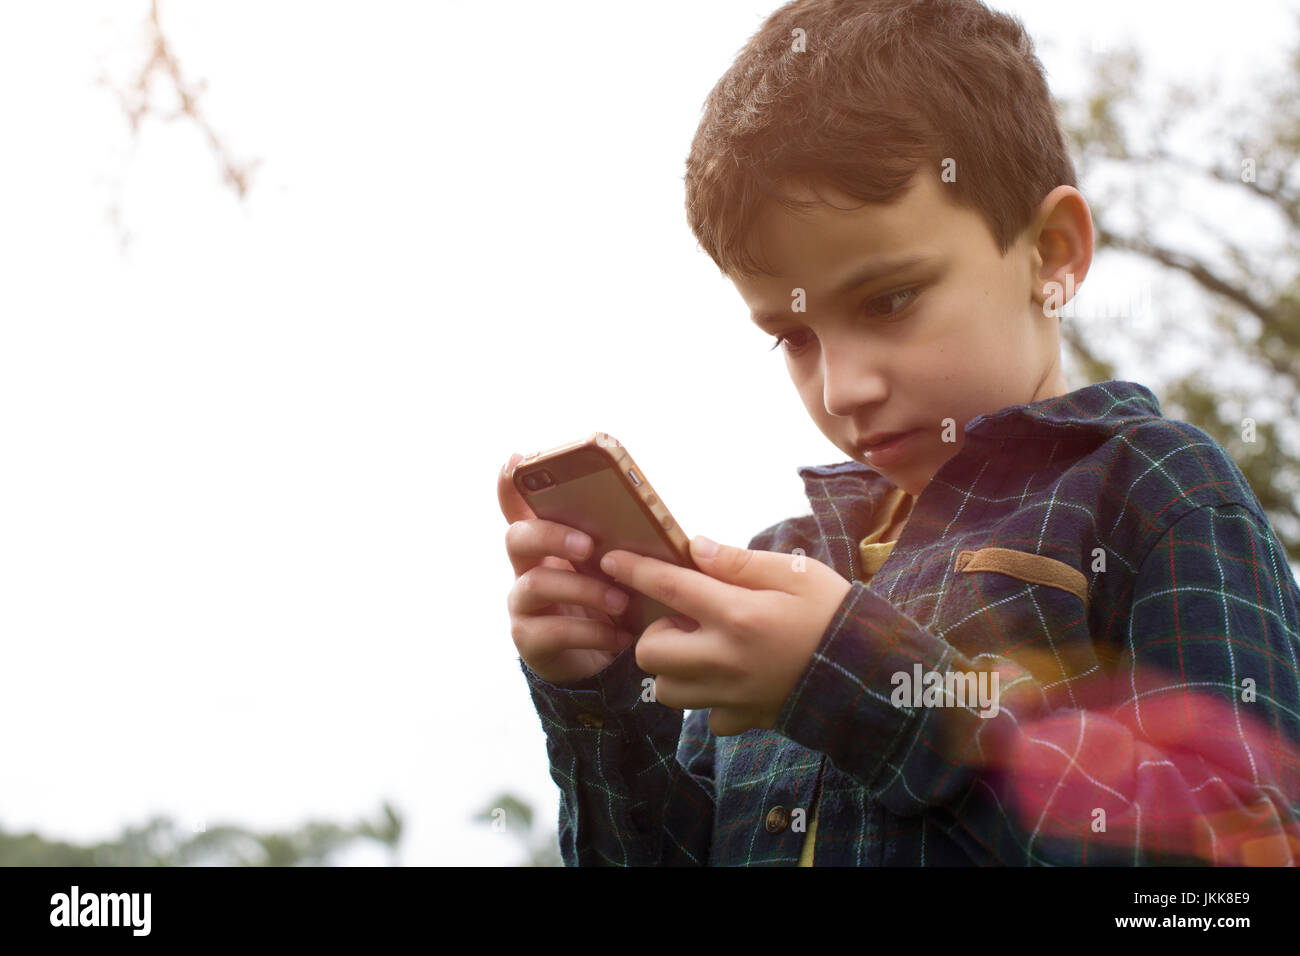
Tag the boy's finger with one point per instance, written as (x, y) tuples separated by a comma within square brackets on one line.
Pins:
[(512, 503), (753, 570), (532, 541), (689, 592), (688, 657), (681, 694)]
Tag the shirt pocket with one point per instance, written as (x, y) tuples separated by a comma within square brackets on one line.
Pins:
[(1029, 607)]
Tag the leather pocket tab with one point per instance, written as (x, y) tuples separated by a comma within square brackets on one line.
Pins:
[(1034, 568)]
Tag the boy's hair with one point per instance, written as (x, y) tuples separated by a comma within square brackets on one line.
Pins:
[(882, 87)]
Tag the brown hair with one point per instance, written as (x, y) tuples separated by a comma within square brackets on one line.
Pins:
[(882, 87)]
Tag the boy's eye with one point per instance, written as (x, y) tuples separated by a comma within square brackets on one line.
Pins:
[(893, 298), (791, 346), (899, 300)]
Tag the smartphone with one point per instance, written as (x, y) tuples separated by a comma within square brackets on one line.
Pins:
[(594, 485)]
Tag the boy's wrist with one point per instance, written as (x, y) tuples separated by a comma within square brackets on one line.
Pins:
[(610, 693), (829, 710)]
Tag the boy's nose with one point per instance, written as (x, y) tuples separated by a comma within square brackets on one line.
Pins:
[(847, 385)]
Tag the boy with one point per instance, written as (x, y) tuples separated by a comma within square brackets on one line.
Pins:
[(1042, 626)]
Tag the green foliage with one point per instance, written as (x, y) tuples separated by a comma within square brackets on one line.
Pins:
[(161, 842), (540, 844), (1250, 286)]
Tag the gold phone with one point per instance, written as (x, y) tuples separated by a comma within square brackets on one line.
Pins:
[(594, 485)]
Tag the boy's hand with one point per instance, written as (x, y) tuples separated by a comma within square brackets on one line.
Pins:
[(758, 616), (558, 617)]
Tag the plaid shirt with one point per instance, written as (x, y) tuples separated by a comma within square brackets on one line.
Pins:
[(1114, 570)]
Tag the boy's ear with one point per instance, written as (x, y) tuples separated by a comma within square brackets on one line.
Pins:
[(1062, 237)]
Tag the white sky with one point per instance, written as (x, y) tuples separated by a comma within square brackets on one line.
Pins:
[(252, 567)]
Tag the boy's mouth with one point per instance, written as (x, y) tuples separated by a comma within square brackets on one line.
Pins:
[(887, 448), (878, 440)]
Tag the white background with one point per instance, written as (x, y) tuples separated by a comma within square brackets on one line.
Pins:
[(251, 561)]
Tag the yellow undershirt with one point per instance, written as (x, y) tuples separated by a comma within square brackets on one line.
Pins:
[(897, 507)]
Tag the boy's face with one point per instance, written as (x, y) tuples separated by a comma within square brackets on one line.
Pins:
[(958, 334)]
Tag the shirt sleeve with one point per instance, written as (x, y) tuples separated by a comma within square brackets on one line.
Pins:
[(1183, 747), (635, 790), (636, 778)]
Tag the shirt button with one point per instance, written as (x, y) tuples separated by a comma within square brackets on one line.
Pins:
[(777, 819), (590, 720)]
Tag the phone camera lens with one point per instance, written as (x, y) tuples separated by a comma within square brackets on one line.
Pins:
[(536, 480)]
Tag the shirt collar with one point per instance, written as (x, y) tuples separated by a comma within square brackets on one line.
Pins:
[(846, 495), (1104, 409)]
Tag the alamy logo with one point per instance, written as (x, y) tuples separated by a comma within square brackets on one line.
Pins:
[(102, 909), (950, 689)]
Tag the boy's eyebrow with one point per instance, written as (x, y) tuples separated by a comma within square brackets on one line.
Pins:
[(869, 269)]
